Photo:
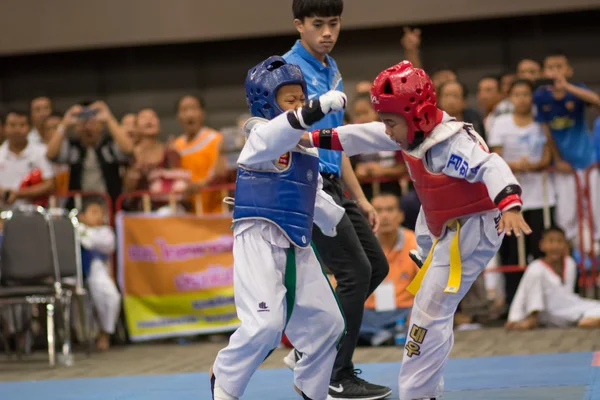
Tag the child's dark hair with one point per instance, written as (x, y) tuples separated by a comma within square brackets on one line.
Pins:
[(17, 111), (196, 97), (462, 86), (521, 82), (555, 53), (554, 229), (90, 201), (496, 78), (317, 8)]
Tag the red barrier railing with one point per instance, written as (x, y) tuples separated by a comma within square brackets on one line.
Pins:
[(172, 198)]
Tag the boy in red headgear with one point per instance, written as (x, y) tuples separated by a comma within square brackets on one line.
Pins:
[(469, 198)]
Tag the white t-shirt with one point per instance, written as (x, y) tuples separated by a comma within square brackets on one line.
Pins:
[(524, 141), (15, 167)]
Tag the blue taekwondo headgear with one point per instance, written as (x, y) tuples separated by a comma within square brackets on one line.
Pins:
[(264, 80)]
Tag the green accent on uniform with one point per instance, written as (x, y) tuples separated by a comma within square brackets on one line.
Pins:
[(339, 340), (289, 282)]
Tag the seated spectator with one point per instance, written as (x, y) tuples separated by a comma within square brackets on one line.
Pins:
[(128, 122), (383, 165), (452, 98), (410, 206), (97, 246), (40, 109), (26, 175), (95, 159), (200, 150), (546, 294), (390, 302), (155, 167), (561, 110), (522, 143)]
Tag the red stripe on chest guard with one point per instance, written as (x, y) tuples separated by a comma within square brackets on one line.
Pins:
[(284, 160)]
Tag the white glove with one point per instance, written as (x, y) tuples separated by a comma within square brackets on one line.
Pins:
[(315, 110), (333, 101)]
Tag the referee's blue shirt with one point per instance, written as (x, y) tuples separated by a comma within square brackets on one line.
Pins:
[(319, 80)]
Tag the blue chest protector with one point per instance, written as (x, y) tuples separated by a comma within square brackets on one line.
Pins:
[(286, 198)]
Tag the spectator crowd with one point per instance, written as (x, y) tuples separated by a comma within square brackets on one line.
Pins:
[(534, 117)]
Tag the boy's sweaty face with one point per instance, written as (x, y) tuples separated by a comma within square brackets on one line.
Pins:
[(395, 128), (290, 97)]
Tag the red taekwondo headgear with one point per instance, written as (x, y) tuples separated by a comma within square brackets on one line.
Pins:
[(408, 91)]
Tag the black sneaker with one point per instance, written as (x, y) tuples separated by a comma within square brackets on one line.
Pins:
[(354, 388)]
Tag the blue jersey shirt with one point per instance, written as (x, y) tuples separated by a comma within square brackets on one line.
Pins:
[(566, 119), (319, 80)]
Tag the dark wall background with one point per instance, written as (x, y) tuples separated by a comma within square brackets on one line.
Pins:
[(37, 25), (156, 76)]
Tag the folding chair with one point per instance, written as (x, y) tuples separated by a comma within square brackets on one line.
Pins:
[(68, 251), (29, 266)]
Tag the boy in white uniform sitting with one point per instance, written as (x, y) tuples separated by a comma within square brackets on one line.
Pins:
[(546, 294), (97, 245)]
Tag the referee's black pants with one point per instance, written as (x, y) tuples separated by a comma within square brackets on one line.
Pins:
[(358, 264)]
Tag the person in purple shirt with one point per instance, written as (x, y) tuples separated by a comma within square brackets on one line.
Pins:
[(561, 110)]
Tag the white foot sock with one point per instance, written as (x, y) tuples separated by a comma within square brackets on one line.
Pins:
[(220, 394)]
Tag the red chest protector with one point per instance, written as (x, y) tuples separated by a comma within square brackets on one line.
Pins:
[(445, 198)]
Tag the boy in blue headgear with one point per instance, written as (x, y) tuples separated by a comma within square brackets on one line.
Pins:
[(278, 280)]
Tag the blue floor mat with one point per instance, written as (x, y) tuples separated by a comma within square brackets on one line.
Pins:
[(569, 376)]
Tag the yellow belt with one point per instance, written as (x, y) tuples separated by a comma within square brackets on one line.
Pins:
[(455, 265)]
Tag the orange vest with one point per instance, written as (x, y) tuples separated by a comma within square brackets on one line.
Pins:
[(402, 271), (200, 156)]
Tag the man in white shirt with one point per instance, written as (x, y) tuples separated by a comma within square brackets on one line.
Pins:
[(40, 108), (26, 175)]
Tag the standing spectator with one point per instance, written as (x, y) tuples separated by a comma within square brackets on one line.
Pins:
[(128, 122), (378, 326), (155, 166), (1, 128), (61, 171), (506, 80), (200, 150), (40, 109), (383, 165), (49, 126), (452, 98), (489, 94), (561, 110), (95, 159), (411, 43), (354, 255), (26, 175), (522, 143), (97, 246), (529, 69), (363, 87), (597, 138)]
